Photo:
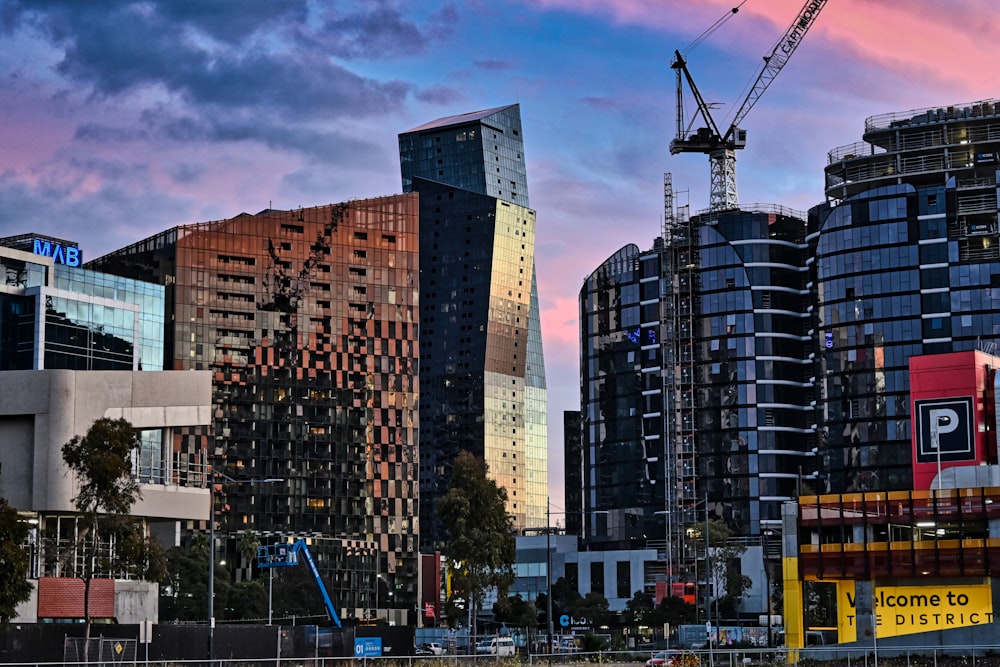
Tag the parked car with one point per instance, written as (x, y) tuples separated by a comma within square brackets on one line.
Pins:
[(499, 646), (430, 648), (662, 659)]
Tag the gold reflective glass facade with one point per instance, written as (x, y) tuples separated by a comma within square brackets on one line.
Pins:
[(481, 352)]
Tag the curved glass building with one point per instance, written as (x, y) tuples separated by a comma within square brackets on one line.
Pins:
[(752, 364), (907, 263)]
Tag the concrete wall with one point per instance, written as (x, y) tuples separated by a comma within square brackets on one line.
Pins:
[(27, 612), (136, 601), (42, 410)]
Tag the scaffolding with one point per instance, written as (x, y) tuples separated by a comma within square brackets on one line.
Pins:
[(680, 282)]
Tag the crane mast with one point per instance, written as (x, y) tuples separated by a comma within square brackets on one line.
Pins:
[(721, 148)]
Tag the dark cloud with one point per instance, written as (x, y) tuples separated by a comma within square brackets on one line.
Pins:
[(112, 217), (185, 173), (115, 171), (233, 22), (377, 30), (440, 95), (216, 54), (322, 143), (105, 134)]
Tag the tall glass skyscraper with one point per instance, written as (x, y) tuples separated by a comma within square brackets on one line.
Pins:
[(621, 451), (907, 263), (482, 369), (697, 389), (751, 361)]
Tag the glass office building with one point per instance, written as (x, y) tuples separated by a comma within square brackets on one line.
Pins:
[(752, 363), (59, 316), (907, 263), (308, 320), (697, 365), (621, 502), (697, 395), (482, 368)]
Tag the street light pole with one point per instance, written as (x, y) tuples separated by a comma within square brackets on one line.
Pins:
[(211, 565), (709, 581), (211, 550), (767, 584), (548, 576)]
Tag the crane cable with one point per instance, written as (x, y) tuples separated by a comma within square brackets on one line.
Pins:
[(712, 28)]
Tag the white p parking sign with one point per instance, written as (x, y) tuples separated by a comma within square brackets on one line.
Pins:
[(945, 429)]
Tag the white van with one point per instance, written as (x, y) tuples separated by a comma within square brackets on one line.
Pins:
[(502, 647)]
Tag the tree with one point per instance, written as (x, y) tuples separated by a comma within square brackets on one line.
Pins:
[(638, 610), (455, 610), (247, 549), (542, 609), (674, 611), (101, 461), (247, 600), (595, 608), (728, 584), (14, 585), (480, 532), (565, 598), (184, 597), (516, 611)]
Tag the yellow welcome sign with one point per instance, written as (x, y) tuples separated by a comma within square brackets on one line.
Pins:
[(906, 610)]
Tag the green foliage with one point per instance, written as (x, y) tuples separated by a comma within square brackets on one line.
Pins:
[(14, 585), (516, 611), (480, 532), (728, 583), (595, 608), (565, 597), (102, 461), (675, 611), (454, 610), (591, 643), (246, 600), (247, 546), (296, 594), (638, 610), (184, 594), (137, 554)]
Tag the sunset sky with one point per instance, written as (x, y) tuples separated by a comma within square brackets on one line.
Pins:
[(121, 119)]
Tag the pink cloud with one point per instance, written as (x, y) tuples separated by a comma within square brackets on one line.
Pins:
[(949, 41)]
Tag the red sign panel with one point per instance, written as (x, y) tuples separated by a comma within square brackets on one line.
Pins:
[(949, 413)]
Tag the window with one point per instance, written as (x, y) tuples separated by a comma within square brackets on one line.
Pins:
[(624, 579), (597, 578)]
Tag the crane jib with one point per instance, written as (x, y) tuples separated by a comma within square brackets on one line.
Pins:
[(806, 18)]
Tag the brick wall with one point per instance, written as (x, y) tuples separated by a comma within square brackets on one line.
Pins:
[(60, 597)]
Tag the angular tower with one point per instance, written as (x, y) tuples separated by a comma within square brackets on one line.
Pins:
[(482, 369)]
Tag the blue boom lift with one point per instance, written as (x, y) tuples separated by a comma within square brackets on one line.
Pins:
[(287, 555)]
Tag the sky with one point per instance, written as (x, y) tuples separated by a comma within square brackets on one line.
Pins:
[(120, 119)]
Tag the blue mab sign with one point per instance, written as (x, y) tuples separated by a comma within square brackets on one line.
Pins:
[(60, 254)]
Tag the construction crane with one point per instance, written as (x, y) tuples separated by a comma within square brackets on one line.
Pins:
[(721, 148)]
